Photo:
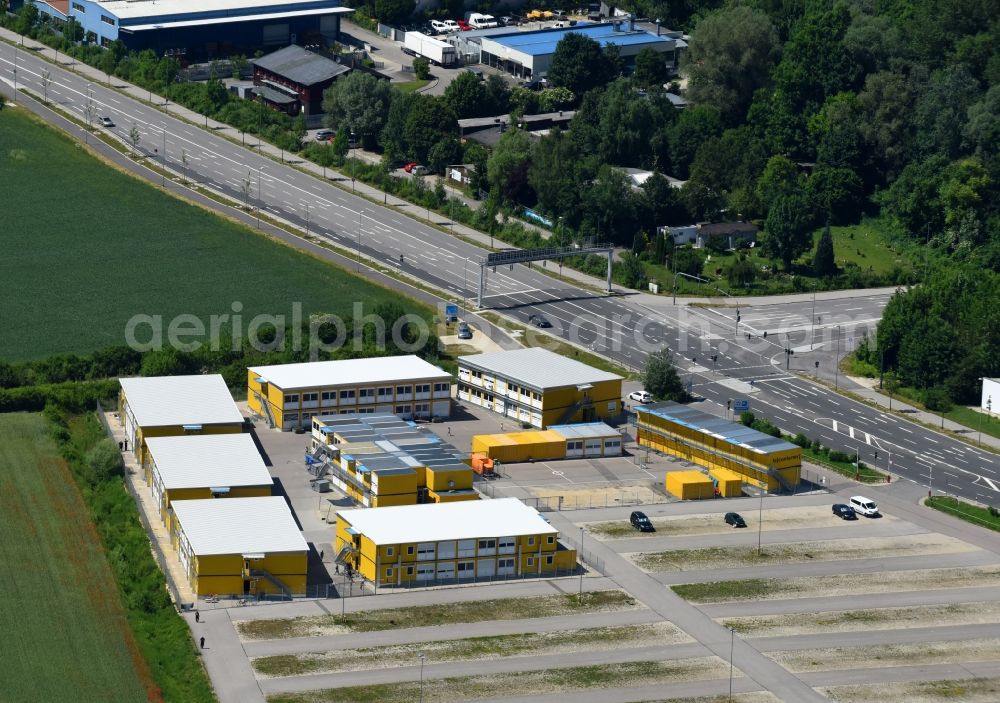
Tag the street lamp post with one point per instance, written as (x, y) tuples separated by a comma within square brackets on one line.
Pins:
[(674, 265), (732, 646), (163, 162), (421, 655), (836, 363), (812, 321), (760, 519), (259, 201), (581, 563), (361, 214)]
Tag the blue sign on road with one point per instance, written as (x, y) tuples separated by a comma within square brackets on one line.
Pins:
[(741, 405)]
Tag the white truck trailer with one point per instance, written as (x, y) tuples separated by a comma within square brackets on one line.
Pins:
[(438, 52)]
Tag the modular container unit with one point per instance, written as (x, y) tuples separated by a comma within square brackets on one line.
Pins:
[(591, 439), (514, 447), (689, 485), (729, 483)]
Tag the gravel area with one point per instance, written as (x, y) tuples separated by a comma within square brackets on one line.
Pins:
[(840, 658), (863, 620), (966, 691), (828, 550), (476, 648), (602, 495)]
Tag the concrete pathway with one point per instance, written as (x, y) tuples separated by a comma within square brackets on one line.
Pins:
[(226, 662)]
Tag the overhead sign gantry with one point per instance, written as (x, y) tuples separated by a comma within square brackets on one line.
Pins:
[(510, 257)]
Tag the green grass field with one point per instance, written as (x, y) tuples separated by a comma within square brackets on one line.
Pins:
[(65, 634), (86, 247)]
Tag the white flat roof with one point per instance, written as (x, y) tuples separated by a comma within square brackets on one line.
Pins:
[(128, 9), (435, 522), (353, 372), (180, 400), (536, 367), (173, 24), (239, 526), (207, 461)]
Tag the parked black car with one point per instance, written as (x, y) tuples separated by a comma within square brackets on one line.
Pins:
[(844, 512), (735, 519), (641, 522), (539, 320)]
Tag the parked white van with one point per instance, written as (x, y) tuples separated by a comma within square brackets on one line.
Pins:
[(864, 506), (439, 27), (479, 21)]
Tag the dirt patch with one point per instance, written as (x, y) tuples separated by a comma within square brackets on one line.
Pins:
[(473, 648), (863, 620), (830, 550), (966, 690), (603, 495), (535, 683), (711, 523), (809, 587), (840, 658), (751, 697), (441, 614)]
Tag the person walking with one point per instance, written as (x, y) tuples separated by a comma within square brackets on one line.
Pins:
[(197, 616), (202, 642)]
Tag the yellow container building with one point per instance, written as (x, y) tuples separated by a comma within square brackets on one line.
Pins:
[(290, 395), (538, 387), (450, 543), (167, 406), (689, 485), (383, 460), (729, 483), (715, 443), (206, 466), (240, 546), (514, 447)]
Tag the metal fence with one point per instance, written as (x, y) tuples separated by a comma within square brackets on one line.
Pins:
[(161, 558)]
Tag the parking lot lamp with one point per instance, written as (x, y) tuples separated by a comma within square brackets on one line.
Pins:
[(421, 655), (581, 565), (732, 646)]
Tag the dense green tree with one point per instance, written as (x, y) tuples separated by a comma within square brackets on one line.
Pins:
[(692, 127), (554, 175), (981, 133), (609, 203), (393, 11), (786, 230), (824, 262), (358, 102), (497, 95), (430, 120), (579, 64), (445, 152), (742, 273), (392, 138), (555, 99), (835, 193), (650, 68), (466, 95), (421, 68), (508, 166), (942, 110), (660, 205), (913, 199), (730, 56), (523, 101), (660, 377), (779, 179)]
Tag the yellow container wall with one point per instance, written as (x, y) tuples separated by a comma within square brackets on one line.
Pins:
[(385, 501), (439, 480), (689, 485), (396, 484), (514, 447), (446, 497), (730, 482)]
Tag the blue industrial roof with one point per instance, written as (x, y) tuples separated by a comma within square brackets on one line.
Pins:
[(543, 41)]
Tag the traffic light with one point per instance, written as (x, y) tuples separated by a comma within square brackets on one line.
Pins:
[(737, 316)]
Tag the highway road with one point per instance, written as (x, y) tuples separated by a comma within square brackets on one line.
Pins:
[(619, 327)]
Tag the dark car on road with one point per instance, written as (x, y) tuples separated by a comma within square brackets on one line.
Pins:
[(641, 522), (735, 519), (539, 320), (845, 512)]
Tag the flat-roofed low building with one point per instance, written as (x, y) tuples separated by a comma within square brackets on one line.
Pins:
[(716, 443), (590, 439), (380, 460), (290, 395), (240, 546), (539, 388), (166, 406), (450, 542), (207, 466)]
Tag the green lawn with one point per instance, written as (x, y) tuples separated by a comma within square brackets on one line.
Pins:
[(65, 633), (411, 86), (966, 511), (87, 247)]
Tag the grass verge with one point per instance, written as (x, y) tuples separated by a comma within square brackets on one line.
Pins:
[(443, 614), (470, 648), (163, 637), (63, 619), (975, 514), (842, 658), (411, 86), (983, 690), (719, 591), (862, 473), (128, 261), (467, 688)]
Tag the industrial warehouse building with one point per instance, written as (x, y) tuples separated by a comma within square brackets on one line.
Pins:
[(587, 440), (451, 542), (166, 406), (539, 388), (248, 546), (293, 79), (529, 54), (290, 395), (206, 466), (380, 460), (209, 28), (715, 443)]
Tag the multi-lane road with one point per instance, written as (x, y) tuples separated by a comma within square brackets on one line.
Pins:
[(624, 328)]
